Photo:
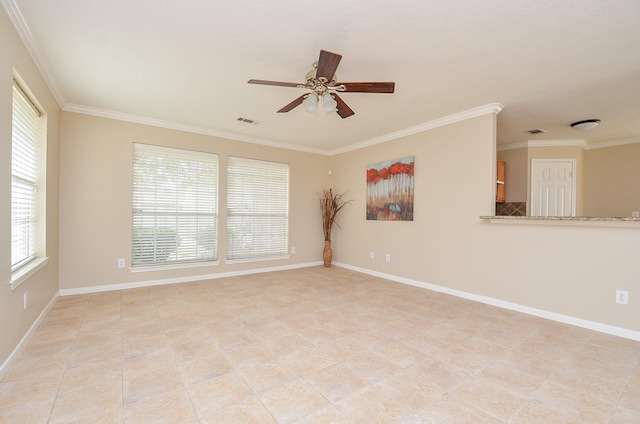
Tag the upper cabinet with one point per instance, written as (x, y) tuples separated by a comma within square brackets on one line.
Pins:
[(501, 191)]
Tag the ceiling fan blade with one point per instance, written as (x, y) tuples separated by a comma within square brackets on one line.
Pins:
[(278, 83), (327, 64), (293, 104), (369, 87), (343, 110)]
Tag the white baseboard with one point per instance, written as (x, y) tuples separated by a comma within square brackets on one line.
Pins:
[(97, 289), (566, 319), (579, 322), (16, 352), (179, 280)]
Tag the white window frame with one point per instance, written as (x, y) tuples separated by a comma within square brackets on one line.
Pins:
[(181, 198), (257, 210), (28, 185)]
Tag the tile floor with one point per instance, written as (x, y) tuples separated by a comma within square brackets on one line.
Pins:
[(314, 345)]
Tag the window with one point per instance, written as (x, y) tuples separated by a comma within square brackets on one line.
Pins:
[(175, 206), (27, 186), (257, 209)]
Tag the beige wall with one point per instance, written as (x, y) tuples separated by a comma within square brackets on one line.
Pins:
[(96, 192), (517, 176), (568, 270), (15, 322), (612, 180), (565, 270)]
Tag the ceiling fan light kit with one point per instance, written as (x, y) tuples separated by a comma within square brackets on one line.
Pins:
[(310, 103), (587, 124), (322, 81), (328, 104)]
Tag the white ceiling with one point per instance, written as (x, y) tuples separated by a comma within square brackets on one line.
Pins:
[(185, 64)]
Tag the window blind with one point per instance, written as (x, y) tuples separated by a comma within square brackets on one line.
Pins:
[(175, 206), (24, 178), (257, 209)]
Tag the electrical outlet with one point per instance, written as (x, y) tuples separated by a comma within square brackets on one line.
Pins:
[(293, 250), (635, 214), (372, 255), (622, 297), (387, 257), (121, 263), (25, 299)]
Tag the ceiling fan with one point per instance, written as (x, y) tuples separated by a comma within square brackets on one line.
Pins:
[(322, 82)]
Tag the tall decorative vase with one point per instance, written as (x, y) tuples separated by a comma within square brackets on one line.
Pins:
[(327, 254)]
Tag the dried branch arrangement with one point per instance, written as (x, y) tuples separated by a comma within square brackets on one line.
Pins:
[(330, 205)]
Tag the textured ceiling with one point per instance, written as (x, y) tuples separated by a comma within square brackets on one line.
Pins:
[(186, 64)]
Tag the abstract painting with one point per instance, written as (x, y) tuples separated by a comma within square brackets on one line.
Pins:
[(390, 190)]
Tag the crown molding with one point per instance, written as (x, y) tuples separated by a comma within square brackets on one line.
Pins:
[(37, 54), (34, 48), (542, 143), (440, 122), (139, 119), (567, 143), (512, 146), (555, 143), (612, 143)]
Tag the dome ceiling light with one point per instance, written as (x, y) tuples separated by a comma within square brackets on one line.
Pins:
[(587, 124)]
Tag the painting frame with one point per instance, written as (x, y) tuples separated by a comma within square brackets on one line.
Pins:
[(390, 190)]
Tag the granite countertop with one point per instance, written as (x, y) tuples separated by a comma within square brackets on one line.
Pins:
[(564, 218), (591, 221)]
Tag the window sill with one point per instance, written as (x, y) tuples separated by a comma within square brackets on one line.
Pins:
[(174, 266), (22, 274)]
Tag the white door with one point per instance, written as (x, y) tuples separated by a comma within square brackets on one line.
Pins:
[(553, 187)]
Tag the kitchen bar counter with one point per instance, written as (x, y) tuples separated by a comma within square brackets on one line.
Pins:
[(591, 221)]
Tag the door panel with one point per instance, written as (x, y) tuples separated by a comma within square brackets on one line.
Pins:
[(553, 187)]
